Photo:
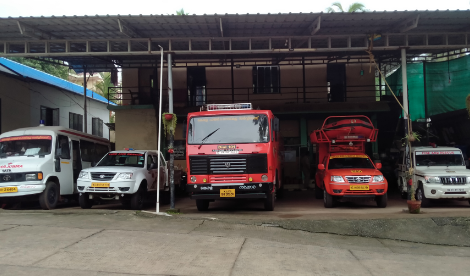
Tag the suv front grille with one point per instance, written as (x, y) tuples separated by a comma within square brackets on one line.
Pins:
[(358, 179), (453, 180), (102, 176)]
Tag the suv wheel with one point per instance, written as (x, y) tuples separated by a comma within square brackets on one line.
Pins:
[(328, 200), (85, 201), (425, 202)]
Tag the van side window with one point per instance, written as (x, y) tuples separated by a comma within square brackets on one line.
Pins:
[(62, 144), (87, 150)]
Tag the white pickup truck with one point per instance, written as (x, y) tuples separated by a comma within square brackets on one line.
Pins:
[(125, 175), (439, 172)]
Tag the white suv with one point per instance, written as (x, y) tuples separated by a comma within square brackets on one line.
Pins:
[(125, 175), (440, 173)]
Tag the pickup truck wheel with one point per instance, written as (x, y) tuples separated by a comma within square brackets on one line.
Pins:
[(50, 196), (137, 201), (269, 201), (425, 202), (318, 193), (328, 200), (85, 201), (202, 204), (381, 201)]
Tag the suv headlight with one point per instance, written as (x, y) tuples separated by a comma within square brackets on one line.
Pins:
[(84, 175), (337, 178), (378, 178), (125, 175), (432, 179)]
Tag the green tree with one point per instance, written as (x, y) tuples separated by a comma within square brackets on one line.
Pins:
[(181, 12), (354, 7), (102, 87), (57, 70)]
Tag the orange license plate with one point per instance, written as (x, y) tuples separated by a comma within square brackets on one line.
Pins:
[(227, 193), (99, 185), (359, 187)]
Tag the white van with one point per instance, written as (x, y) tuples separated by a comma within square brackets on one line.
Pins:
[(126, 175), (439, 172), (44, 163)]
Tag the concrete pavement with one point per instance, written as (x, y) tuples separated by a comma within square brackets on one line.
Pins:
[(119, 242)]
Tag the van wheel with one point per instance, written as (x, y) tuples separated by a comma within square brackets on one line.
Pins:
[(50, 196), (202, 204), (425, 202), (85, 201), (328, 200), (137, 201), (318, 193), (381, 200), (269, 201)]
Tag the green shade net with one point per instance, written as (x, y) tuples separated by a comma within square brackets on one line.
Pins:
[(447, 86)]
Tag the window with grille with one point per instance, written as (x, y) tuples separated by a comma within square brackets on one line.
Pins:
[(265, 79), (97, 127), (76, 121)]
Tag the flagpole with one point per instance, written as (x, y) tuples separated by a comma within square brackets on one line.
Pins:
[(159, 129)]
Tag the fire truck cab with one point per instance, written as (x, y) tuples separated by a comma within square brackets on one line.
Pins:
[(233, 153), (344, 169)]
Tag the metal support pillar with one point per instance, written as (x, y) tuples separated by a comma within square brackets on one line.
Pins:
[(303, 79), (405, 114), (426, 114), (85, 122), (231, 76), (171, 136)]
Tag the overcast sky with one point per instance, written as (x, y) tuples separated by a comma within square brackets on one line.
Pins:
[(135, 7)]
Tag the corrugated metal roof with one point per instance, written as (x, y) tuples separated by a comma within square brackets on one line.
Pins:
[(32, 73), (235, 25)]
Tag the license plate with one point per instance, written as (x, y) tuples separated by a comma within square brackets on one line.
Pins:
[(227, 193), (455, 190), (8, 190), (99, 185), (359, 187)]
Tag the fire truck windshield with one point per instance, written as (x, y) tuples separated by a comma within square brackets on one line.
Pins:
[(350, 163), (231, 129)]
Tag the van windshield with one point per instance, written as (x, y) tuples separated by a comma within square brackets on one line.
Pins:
[(439, 158), (31, 145), (123, 159)]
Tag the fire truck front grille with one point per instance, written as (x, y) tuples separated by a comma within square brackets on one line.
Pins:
[(228, 179), (358, 179), (229, 164), (453, 180)]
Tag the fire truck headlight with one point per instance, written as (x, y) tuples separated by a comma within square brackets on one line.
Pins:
[(337, 178), (193, 179), (264, 177)]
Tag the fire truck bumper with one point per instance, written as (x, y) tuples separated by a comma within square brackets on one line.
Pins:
[(213, 191)]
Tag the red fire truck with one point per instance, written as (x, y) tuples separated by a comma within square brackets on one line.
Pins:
[(344, 169), (232, 153)]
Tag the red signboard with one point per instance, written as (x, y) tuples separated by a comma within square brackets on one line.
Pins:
[(26, 137)]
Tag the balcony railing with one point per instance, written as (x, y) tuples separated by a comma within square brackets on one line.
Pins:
[(287, 95)]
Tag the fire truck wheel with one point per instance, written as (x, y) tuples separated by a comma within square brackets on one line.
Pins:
[(425, 202), (381, 201), (85, 201), (202, 204), (269, 201), (328, 200), (318, 193), (50, 196)]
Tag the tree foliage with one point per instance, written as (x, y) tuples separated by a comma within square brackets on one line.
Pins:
[(57, 70), (354, 7), (181, 12), (102, 87)]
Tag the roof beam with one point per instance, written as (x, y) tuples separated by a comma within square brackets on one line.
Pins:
[(126, 30), (33, 32), (315, 26), (409, 24), (221, 27)]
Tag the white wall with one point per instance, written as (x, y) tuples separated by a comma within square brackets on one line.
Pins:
[(52, 97)]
